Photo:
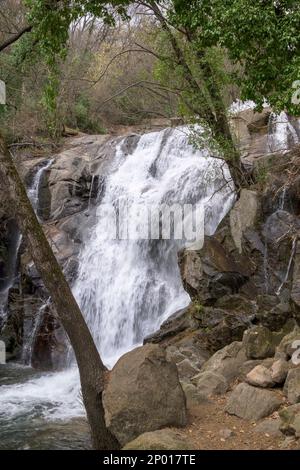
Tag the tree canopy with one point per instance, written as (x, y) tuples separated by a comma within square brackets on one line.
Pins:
[(261, 37)]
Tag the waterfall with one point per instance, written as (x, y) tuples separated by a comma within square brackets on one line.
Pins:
[(281, 135), (33, 191), (281, 202), (127, 288), (9, 277)]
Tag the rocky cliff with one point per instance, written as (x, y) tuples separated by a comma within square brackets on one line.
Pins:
[(246, 273)]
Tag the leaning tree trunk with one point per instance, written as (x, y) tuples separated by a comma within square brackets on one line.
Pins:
[(91, 367)]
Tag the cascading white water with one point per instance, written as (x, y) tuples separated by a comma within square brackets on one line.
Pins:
[(127, 288), (33, 191), (282, 134), (33, 194)]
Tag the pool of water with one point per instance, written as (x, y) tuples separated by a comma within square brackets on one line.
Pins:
[(34, 411)]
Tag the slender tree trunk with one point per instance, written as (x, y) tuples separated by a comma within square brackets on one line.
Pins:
[(91, 368)]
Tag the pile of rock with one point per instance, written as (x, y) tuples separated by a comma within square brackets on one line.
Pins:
[(262, 371)]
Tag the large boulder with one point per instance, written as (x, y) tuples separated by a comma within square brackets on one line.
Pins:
[(252, 403), (227, 361), (143, 394), (292, 386), (210, 383), (249, 365), (260, 376), (164, 439), (258, 342)]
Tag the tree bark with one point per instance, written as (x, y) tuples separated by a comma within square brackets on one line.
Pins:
[(14, 38), (91, 368)]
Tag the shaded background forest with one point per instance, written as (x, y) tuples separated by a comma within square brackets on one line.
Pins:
[(110, 74)]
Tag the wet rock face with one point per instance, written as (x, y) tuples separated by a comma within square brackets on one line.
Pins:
[(164, 439), (49, 348), (9, 236), (295, 293), (71, 184), (233, 280), (226, 283), (12, 330)]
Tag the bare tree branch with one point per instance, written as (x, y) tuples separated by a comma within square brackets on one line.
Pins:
[(136, 84), (14, 38)]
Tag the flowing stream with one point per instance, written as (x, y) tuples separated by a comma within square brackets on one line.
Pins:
[(125, 287)]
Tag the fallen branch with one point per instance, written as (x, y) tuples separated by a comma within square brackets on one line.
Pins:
[(31, 144)]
